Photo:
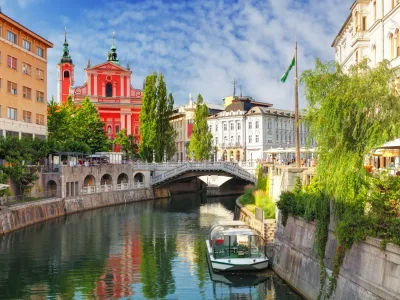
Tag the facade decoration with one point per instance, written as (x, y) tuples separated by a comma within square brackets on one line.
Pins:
[(108, 85)]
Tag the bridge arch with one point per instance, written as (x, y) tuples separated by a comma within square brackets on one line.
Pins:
[(89, 181), (106, 179), (122, 178)]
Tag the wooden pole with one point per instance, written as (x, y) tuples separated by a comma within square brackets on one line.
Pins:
[(296, 111)]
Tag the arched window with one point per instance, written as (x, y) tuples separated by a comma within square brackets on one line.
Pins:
[(109, 90), (66, 74), (397, 49), (109, 129), (356, 22)]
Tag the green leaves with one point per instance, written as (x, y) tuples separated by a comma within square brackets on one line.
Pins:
[(128, 143), (76, 128), (157, 134), (200, 143)]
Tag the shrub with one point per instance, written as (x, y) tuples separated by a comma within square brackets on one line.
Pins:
[(264, 202)]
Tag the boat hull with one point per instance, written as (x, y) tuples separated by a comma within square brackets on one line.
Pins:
[(235, 264)]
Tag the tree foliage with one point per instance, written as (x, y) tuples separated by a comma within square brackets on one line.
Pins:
[(148, 118), (75, 128), (128, 143), (350, 112), (200, 143), (157, 134)]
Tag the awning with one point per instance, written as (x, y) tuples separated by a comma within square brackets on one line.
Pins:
[(395, 144)]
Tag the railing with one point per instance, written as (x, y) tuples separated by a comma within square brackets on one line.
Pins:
[(108, 188), (122, 186), (232, 169)]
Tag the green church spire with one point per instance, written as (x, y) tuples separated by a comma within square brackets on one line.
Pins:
[(66, 58), (112, 55)]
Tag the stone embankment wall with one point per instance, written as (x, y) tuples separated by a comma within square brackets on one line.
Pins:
[(367, 273), (22, 215), (243, 214)]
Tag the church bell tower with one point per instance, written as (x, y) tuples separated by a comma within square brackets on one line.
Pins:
[(65, 73)]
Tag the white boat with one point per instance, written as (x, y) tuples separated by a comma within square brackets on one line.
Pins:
[(233, 246)]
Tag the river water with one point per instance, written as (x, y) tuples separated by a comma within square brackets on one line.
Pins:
[(146, 250)]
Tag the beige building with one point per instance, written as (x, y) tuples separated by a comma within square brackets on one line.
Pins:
[(182, 122), (23, 80), (371, 31)]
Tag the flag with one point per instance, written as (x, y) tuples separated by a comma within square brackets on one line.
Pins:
[(292, 64)]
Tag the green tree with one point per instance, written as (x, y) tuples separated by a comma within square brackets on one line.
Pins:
[(128, 143), (165, 134), (350, 112), (148, 118), (88, 128), (200, 143)]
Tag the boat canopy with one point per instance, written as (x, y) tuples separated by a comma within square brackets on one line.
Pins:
[(241, 231)]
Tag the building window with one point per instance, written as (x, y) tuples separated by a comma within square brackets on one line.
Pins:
[(269, 141), (66, 74), (209, 128), (39, 74), (250, 125), (238, 126), (27, 116), (225, 126), (12, 88), (12, 113), (26, 68), (39, 96), (216, 141), (12, 37), (26, 92), (26, 45), (216, 127), (109, 90), (39, 51), (116, 128), (232, 139), (39, 119), (239, 139), (364, 23), (257, 124), (257, 138), (374, 11), (232, 126), (11, 62), (250, 139)]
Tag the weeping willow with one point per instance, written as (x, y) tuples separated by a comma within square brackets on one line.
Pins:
[(350, 112)]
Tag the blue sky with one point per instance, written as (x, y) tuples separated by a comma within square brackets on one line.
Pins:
[(200, 45)]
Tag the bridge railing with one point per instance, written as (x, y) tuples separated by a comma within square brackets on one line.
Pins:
[(205, 166)]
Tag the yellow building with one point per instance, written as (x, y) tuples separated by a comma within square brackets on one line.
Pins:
[(23, 80)]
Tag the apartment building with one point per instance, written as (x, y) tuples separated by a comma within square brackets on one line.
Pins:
[(23, 80)]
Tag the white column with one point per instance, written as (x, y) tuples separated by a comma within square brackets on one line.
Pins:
[(122, 121), (129, 125), (95, 85), (128, 86), (122, 85)]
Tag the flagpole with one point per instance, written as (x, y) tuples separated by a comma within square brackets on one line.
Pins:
[(296, 110)]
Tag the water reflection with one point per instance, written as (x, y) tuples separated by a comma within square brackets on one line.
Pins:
[(147, 250)]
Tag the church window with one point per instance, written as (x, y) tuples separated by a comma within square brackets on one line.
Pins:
[(109, 129), (109, 90), (66, 74), (116, 129)]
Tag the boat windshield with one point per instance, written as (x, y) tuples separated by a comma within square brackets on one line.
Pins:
[(239, 245)]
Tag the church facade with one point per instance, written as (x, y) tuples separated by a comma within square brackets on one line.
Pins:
[(108, 86)]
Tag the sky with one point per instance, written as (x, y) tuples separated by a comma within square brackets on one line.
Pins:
[(199, 45)]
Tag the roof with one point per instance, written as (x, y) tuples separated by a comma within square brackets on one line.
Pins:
[(239, 231), (215, 106), (8, 19), (341, 30)]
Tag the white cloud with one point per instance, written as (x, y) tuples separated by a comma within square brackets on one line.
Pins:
[(202, 45)]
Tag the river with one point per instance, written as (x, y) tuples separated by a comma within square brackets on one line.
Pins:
[(146, 250)]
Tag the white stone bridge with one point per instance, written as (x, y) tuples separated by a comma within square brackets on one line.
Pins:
[(177, 171)]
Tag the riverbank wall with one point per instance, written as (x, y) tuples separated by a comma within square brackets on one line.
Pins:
[(21, 215), (266, 229), (367, 272)]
